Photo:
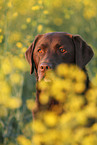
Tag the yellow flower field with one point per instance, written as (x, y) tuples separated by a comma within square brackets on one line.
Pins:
[(20, 22)]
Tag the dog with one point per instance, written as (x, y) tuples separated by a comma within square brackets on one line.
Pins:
[(51, 49)]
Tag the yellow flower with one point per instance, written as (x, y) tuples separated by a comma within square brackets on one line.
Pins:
[(31, 104), (50, 119), (81, 76), (13, 103), (73, 122), (94, 127), (0, 30), (37, 139), (0, 41), (43, 85), (91, 110), (5, 89), (56, 86), (39, 28), (22, 140), (44, 98), (79, 134), (15, 78), (86, 2), (65, 118), (62, 70), (60, 96), (6, 66), (38, 126), (90, 10), (90, 140), (3, 98), (74, 104), (40, 1), (28, 20), (23, 49), (81, 118), (79, 87), (91, 95), (50, 76), (88, 14), (18, 63), (15, 14), (35, 8), (65, 85), (19, 44), (76, 73), (45, 12), (9, 4), (51, 135), (1, 36)]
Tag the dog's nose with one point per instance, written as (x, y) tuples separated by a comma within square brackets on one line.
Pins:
[(45, 66)]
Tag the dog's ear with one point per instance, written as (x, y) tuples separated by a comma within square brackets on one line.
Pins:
[(83, 52), (29, 53)]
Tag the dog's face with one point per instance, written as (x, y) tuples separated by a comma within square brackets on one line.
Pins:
[(51, 49)]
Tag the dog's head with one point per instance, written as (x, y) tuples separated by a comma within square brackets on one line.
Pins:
[(51, 49)]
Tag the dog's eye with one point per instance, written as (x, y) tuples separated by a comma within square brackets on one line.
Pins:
[(62, 50), (40, 50)]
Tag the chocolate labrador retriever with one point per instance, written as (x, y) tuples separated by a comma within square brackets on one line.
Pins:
[(51, 49)]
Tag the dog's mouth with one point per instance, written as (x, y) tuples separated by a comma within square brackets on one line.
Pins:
[(47, 79), (45, 76)]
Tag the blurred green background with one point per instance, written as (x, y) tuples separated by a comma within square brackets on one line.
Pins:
[(20, 22)]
